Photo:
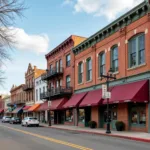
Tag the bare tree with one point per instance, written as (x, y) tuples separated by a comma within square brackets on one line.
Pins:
[(9, 10)]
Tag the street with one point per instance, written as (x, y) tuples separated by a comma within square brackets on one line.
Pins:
[(15, 137)]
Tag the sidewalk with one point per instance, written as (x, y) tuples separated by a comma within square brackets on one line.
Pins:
[(137, 136)]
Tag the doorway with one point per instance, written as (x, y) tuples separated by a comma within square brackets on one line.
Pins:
[(87, 116)]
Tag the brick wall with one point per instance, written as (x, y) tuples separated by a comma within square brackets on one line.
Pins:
[(95, 115), (140, 26)]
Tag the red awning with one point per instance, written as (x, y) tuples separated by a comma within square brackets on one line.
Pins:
[(93, 98), (132, 92), (57, 104), (75, 100), (1, 110), (43, 107), (26, 107)]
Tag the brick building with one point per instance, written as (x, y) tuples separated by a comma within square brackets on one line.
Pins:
[(60, 78), (18, 97), (123, 46)]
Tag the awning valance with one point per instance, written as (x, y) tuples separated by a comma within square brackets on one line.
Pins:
[(43, 106), (34, 107), (57, 104), (74, 100), (93, 98), (132, 92), (17, 110)]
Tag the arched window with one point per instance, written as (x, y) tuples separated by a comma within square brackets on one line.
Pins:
[(136, 50), (102, 63), (80, 72), (89, 69), (114, 58)]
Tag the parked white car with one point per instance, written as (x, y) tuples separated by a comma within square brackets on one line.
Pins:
[(6, 119), (30, 121)]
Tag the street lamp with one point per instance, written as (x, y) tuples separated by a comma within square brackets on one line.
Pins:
[(109, 76)]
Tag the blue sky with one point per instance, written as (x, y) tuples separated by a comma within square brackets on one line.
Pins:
[(47, 23)]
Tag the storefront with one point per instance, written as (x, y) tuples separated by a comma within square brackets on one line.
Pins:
[(71, 108), (41, 112), (57, 110), (128, 103), (32, 110), (18, 112), (25, 111)]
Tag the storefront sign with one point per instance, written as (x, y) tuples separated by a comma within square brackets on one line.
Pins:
[(104, 90)]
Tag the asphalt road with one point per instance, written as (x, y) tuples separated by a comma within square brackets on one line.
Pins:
[(15, 137)]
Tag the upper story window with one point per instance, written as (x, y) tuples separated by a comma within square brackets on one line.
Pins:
[(102, 63), (36, 94), (114, 58), (60, 64), (136, 50), (51, 68), (89, 69), (80, 72), (68, 60), (68, 81), (57, 66)]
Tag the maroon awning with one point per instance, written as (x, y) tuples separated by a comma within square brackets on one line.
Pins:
[(93, 98), (43, 106), (57, 104), (74, 100), (132, 92)]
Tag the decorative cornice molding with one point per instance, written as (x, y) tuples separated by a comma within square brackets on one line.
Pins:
[(119, 24)]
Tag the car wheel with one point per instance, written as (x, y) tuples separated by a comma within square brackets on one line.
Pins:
[(22, 125), (37, 125)]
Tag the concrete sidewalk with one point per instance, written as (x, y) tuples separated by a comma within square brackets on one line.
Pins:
[(137, 136)]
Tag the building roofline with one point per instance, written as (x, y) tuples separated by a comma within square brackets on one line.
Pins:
[(127, 17), (61, 44)]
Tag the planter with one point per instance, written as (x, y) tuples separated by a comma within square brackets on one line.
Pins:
[(120, 126), (92, 124)]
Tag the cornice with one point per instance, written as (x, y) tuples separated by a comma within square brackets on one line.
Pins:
[(119, 24)]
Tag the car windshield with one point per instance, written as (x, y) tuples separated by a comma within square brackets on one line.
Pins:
[(33, 118), (8, 117)]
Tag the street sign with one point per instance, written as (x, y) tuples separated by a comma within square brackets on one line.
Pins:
[(104, 90), (108, 95), (49, 103)]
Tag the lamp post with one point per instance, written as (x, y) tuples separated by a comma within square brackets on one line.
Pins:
[(109, 76)]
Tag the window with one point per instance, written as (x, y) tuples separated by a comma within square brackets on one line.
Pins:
[(81, 117), (69, 115), (36, 94), (68, 60), (101, 63), (138, 115), (68, 80), (60, 82), (89, 69), (114, 58), (57, 66), (80, 72), (136, 50), (40, 91), (51, 68), (60, 65), (57, 83)]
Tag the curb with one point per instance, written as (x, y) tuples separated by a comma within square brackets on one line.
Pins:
[(104, 134)]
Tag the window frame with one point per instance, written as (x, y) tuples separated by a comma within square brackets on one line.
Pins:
[(114, 60), (80, 72), (68, 62), (101, 64), (137, 50), (88, 69), (68, 76)]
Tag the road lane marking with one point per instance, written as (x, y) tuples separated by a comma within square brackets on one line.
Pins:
[(49, 139)]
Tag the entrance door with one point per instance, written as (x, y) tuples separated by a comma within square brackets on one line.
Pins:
[(114, 118), (87, 116)]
